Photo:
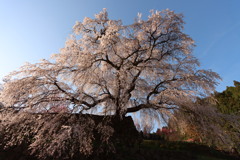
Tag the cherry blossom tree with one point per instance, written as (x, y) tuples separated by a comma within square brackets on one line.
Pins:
[(108, 68), (115, 69)]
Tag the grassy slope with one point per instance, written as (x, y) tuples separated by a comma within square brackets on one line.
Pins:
[(156, 150), (150, 150)]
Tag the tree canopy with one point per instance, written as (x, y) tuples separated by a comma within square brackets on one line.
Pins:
[(111, 68), (228, 101)]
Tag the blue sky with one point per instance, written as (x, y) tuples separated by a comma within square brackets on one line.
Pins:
[(31, 30)]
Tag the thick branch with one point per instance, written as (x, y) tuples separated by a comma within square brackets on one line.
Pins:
[(146, 106), (155, 90)]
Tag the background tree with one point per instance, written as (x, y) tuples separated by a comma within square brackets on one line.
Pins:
[(228, 101), (144, 125), (206, 124)]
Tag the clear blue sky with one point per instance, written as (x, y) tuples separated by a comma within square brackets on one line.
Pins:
[(34, 29)]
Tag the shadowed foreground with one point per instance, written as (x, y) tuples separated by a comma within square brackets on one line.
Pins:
[(149, 150), (63, 136), (17, 140)]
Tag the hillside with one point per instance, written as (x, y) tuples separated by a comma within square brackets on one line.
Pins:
[(148, 150)]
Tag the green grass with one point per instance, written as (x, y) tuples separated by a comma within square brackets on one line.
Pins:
[(164, 150), (198, 151)]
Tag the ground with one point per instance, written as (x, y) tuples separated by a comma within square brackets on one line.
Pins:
[(164, 150)]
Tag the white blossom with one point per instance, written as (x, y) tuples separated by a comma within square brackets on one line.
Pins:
[(119, 68)]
